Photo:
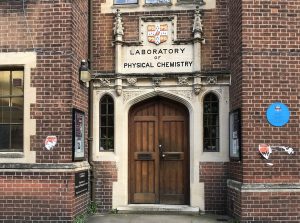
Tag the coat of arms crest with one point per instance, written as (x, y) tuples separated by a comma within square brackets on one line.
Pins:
[(157, 33)]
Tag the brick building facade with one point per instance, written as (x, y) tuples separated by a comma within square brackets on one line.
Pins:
[(167, 77), (46, 40), (267, 71)]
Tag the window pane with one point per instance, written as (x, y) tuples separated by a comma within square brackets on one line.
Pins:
[(103, 108), (4, 112), (17, 110), (110, 133), (213, 132), (109, 144), (17, 83), (102, 144), (214, 120), (207, 108), (111, 109), (215, 107), (110, 120), (126, 1), (103, 133), (17, 137), (103, 120), (4, 136), (4, 83)]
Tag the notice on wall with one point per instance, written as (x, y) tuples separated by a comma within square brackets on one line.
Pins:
[(81, 182), (278, 114), (78, 135), (235, 134)]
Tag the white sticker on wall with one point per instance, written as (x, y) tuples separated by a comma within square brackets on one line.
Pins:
[(50, 142)]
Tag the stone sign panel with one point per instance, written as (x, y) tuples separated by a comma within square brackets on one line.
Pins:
[(157, 59), (158, 51)]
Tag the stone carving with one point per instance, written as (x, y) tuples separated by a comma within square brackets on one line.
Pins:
[(211, 80), (198, 27), (118, 28), (183, 80), (197, 89), (119, 90), (187, 94), (127, 95), (156, 81), (132, 81), (102, 82)]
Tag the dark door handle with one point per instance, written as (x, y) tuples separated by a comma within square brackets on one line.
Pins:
[(161, 151)]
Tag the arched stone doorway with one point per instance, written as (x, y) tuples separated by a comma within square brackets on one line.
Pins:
[(158, 152)]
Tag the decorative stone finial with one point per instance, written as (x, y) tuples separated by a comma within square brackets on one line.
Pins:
[(118, 29), (197, 27)]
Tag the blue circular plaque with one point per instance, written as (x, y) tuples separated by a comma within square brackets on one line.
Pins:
[(278, 114)]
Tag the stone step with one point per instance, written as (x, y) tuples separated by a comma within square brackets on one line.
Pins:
[(157, 208)]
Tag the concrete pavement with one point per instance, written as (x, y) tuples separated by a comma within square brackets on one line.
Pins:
[(155, 218)]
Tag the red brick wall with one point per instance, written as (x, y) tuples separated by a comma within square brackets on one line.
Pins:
[(80, 52), (39, 197), (265, 65), (271, 65), (234, 206), (214, 176), (215, 53), (105, 173), (235, 50), (57, 31), (268, 207)]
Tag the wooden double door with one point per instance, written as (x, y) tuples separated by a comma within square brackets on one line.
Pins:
[(159, 152)]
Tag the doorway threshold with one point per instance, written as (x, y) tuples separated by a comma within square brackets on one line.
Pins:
[(157, 208)]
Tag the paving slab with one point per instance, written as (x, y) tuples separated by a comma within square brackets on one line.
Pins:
[(158, 218)]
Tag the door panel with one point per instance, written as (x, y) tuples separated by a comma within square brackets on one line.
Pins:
[(158, 153)]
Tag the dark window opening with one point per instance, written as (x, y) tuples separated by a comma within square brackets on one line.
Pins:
[(211, 125), (106, 123)]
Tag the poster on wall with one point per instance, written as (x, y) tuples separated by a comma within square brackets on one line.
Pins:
[(78, 135), (235, 135)]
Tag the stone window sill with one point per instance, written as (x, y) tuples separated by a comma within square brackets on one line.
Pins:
[(12, 155)]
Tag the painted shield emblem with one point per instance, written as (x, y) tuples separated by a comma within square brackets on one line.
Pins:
[(265, 150), (157, 33)]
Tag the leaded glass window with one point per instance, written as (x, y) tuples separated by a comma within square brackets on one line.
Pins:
[(211, 123), (11, 109), (106, 123)]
